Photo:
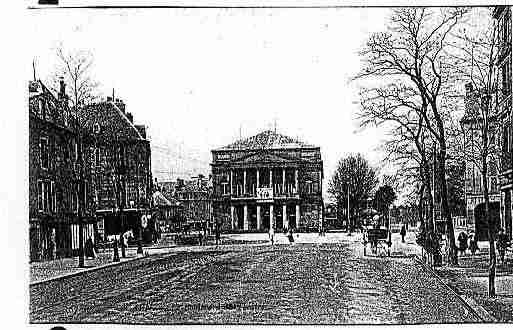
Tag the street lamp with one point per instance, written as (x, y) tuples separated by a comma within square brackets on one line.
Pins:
[(80, 195)]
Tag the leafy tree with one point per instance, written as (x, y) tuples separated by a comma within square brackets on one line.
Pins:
[(356, 177)]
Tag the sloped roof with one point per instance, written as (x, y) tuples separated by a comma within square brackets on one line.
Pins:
[(55, 111), (266, 140), (160, 200), (111, 120)]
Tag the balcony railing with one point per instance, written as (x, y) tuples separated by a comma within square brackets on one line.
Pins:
[(279, 190)]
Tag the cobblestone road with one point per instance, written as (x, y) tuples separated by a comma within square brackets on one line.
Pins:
[(303, 283)]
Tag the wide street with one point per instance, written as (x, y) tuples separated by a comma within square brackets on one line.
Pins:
[(323, 282)]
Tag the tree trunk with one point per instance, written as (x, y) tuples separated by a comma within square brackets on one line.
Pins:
[(421, 203), (80, 202), (488, 218), (427, 182), (446, 212), (491, 236)]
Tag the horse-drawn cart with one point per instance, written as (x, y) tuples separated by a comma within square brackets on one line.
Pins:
[(378, 239)]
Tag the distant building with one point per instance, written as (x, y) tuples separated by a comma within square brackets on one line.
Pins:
[(268, 180), (53, 176), (474, 197), (195, 197), (331, 219), (168, 212), (502, 16), (120, 160)]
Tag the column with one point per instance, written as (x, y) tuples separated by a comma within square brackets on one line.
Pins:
[(271, 216), (320, 182), (283, 181), (231, 182), (270, 177), (232, 212), (296, 178), (246, 220), (259, 219), (285, 219), (244, 186), (298, 215), (258, 178)]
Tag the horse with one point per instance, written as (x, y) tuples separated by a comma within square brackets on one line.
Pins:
[(126, 235)]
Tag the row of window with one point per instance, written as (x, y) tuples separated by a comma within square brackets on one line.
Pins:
[(48, 152), (47, 196)]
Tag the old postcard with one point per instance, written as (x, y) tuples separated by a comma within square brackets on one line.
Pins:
[(268, 164)]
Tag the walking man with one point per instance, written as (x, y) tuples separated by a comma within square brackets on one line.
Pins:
[(271, 235), (403, 233)]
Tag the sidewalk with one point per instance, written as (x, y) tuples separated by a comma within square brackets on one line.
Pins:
[(470, 280), (46, 270)]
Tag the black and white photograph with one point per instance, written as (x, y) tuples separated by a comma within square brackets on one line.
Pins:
[(266, 164)]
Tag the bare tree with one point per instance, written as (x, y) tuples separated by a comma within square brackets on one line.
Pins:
[(412, 51), (474, 54), (74, 69), (397, 107)]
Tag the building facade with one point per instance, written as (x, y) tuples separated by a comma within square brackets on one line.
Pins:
[(119, 155), (168, 212), (195, 198), (502, 16), (267, 180), (54, 176), (471, 123)]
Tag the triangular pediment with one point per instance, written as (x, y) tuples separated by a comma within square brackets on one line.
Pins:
[(264, 157)]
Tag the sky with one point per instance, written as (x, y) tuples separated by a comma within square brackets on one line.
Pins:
[(201, 78)]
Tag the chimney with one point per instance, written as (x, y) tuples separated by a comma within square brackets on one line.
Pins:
[(130, 117), (469, 87), (120, 104), (62, 89), (109, 98)]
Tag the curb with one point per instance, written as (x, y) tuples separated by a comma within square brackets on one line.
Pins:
[(468, 302), (87, 270)]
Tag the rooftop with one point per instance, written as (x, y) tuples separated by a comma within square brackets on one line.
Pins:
[(266, 140)]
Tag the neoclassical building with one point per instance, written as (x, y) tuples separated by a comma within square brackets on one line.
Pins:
[(267, 179)]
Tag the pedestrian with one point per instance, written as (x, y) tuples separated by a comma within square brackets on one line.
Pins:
[(200, 237), (463, 240), (51, 248), (290, 236), (503, 243), (271, 235), (473, 244), (403, 233), (218, 235), (89, 249)]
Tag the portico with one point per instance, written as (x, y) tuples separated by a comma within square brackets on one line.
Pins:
[(267, 185)]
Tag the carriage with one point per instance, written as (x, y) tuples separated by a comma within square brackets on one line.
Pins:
[(378, 239)]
